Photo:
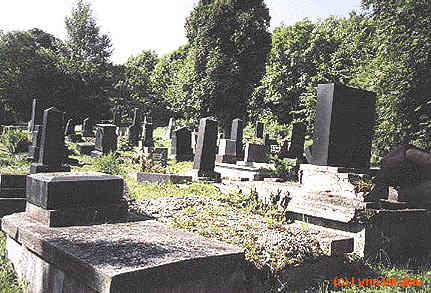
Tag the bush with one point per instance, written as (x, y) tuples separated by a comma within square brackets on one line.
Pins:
[(124, 144), (15, 141), (109, 164)]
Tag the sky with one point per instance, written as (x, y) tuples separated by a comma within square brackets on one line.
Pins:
[(134, 26)]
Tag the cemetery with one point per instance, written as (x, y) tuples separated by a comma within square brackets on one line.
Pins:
[(297, 160), (93, 221)]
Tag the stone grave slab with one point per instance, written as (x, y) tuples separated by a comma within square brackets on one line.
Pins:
[(139, 256), (85, 148), (227, 151), (181, 144), (12, 193), (237, 134)]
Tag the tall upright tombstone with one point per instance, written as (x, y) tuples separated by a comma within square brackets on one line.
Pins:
[(34, 148), (181, 144), (135, 129), (116, 119), (87, 128), (259, 129), (206, 149), (36, 115), (70, 128), (53, 152), (236, 134), (343, 126), (147, 135), (171, 127)]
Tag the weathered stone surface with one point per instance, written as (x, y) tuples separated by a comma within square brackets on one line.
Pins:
[(34, 148), (73, 190), (69, 128), (256, 153), (343, 126), (171, 127), (142, 256)]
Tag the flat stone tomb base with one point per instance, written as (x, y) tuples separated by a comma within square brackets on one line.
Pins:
[(140, 256), (12, 193)]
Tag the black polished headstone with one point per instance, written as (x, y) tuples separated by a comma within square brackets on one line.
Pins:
[(135, 130), (297, 141), (343, 126), (236, 134), (206, 146), (181, 144), (116, 119), (259, 130)]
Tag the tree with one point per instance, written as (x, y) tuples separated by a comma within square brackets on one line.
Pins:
[(404, 55), (229, 42), (84, 38)]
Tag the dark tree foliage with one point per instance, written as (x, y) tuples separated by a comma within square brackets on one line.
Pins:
[(405, 51), (229, 42)]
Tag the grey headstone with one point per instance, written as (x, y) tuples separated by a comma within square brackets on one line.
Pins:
[(116, 119), (147, 135), (34, 148), (236, 134), (70, 128), (343, 126), (87, 128), (206, 147), (106, 138), (181, 144), (171, 127), (53, 152)]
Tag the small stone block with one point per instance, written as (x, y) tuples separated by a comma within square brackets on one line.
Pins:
[(85, 148), (12, 193), (226, 159), (341, 246), (12, 180), (73, 190), (11, 205)]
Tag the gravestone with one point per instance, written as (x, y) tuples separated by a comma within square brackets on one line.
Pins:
[(53, 152), (259, 129), (206, 147), (343, 126), (256, 153), (36, 114), (87, 128), (181, 144), (65, 199), (34, 148), (297, 141), (106, 140), (70, 128), (159, 156), (147, 138), (236, 134), (135, 129), (171, 127), (226, 151)]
